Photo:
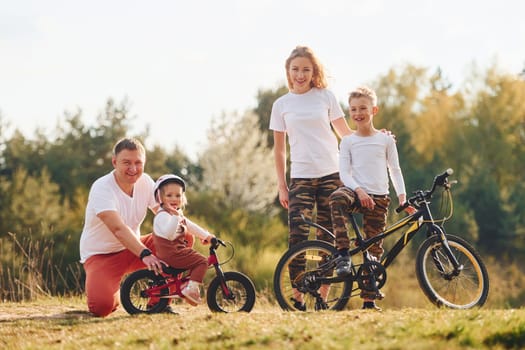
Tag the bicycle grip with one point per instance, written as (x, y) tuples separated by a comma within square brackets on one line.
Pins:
[(440, 179), (402, 207)]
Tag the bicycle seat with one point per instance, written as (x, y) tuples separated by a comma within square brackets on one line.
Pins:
[(171, 270)]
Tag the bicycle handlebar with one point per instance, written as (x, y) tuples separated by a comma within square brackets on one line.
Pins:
[(439, 180), (215, 243)]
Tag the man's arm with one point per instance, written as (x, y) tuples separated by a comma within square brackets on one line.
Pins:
[(128, 238)]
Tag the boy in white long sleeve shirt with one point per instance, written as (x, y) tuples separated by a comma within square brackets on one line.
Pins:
[(366, 158), (170, 229)]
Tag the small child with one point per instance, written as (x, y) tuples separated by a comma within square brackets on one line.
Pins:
[(170, 229), (366, 159)]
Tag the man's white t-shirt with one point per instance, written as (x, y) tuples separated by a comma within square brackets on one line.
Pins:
[(366, 161), (306, 119), (106, 195)]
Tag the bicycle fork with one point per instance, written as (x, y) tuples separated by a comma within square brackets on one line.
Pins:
[(448, 252), (226, 292)]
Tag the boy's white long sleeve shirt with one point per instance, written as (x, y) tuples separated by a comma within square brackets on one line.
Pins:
[(366, 162)]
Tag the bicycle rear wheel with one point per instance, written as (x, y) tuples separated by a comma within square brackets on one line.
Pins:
[(465, 289), (313, 253), (134, 296), (241, 289)]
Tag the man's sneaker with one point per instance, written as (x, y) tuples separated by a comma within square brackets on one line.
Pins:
[(192, 293), (343, 266), (370, 305)]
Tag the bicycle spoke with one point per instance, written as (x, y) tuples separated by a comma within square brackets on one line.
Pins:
[(460, 288)]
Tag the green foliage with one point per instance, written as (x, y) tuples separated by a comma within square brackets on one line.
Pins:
[(477, 129), (33, 203), (265, 100)]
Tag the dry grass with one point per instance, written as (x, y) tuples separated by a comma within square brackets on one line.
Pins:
[(63, 323)]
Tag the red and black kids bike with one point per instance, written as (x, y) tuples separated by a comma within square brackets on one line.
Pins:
[(143, 291)]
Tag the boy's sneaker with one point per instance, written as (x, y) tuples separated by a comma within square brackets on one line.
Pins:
[(370, 305), (343, 267), (192, 294)]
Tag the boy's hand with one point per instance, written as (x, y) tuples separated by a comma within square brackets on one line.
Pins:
[(365, 200)]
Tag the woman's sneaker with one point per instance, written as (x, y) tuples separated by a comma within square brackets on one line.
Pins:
[(192, 293)]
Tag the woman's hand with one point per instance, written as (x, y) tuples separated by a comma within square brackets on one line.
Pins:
[(283, 196)]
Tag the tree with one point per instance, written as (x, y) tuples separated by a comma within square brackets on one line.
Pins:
[(495, 143), (265, 100), (237, 164), (34, 204)]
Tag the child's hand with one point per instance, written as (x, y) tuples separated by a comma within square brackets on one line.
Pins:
[(207, 240), (173, 210), (365, 200), (190, 239)]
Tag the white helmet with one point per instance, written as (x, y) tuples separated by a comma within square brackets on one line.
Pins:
[(166, 179)]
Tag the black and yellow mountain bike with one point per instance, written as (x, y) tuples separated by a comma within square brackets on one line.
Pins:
[(450, 271)]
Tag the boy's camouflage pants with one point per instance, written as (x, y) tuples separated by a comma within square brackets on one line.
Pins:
[(374, 221)]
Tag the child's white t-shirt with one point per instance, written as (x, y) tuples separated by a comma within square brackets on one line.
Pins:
[(106, 195), (366, 161), (306, 119), (167, 226)]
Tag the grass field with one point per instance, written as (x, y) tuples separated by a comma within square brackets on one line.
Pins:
[(63, 323)]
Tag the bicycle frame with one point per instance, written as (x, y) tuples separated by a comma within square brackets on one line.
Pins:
[(174, 280), (414, 221), (449, 270)]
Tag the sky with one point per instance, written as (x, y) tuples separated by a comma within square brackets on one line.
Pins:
[(180, 64)]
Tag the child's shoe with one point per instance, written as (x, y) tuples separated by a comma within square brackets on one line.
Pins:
[(370, 305), (192, 293)]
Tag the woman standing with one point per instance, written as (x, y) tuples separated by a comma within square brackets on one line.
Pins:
[(307, 114)]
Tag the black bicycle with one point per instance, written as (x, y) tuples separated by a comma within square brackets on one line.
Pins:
[(143, 291), (449, 270)]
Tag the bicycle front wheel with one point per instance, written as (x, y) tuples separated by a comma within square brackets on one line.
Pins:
[(135, 297), (462, 289), (311, 254), (236, 293)]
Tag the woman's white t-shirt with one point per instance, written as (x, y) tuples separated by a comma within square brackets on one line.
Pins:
[(106, 195), (306, 118)]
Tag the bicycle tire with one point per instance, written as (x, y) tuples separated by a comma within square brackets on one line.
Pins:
[(133, 297), (314, 252), (239, 285), (467, 290)]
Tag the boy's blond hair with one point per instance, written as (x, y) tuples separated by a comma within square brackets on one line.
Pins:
[(363, 91)]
